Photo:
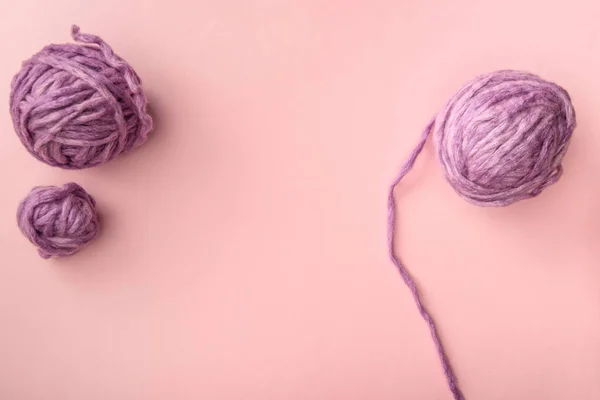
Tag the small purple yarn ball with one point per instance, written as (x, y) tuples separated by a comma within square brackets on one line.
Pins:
[(502, 137), (59, 221), (76, 106)]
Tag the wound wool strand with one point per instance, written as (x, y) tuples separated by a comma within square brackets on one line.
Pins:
[(76, 106), (501, 138), (59, 221)]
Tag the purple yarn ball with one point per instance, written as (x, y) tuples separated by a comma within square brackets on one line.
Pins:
[(502, 137), (76, 106), (59, 221)]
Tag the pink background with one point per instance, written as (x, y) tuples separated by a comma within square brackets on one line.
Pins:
[(243, 251)]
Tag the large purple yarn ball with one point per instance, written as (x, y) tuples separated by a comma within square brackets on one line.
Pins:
[(502, 137), (59, 221), (75, 106)]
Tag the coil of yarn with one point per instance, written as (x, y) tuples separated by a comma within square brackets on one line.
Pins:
[(500, 139), (59, 221), (76, 106)]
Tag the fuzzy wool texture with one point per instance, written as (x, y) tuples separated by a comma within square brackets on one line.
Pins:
[(59, 221), (500, 139), (76, 106)]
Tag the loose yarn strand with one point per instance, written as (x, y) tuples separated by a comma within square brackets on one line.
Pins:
[(110, 57), (406, 276)]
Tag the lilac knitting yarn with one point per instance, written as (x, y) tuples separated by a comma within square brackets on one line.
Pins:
[(76, 106), (59, 221), (501, 138)]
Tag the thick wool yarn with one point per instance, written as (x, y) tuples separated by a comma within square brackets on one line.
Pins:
[(59, 221), (501, 138), (76, 106)]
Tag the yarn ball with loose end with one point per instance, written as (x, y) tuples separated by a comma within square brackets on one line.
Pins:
[(502, 137), (59, 221), (76, 106)]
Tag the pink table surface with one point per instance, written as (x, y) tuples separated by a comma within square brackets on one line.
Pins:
[(243, 251)]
